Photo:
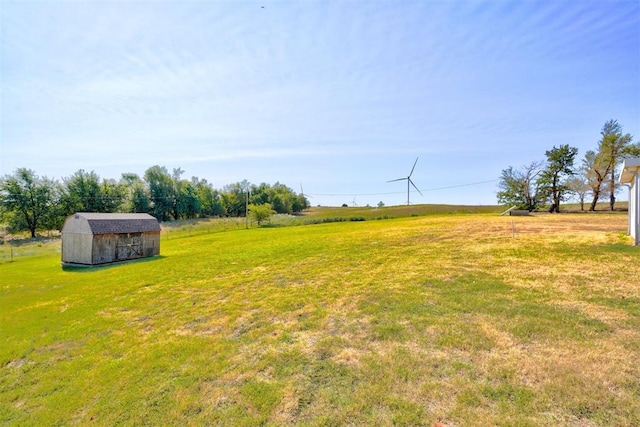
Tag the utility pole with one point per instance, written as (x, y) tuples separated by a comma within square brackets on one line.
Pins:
[(246, 203)]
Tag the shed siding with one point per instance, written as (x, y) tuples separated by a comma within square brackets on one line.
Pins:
[(76, 248), (77, 225), (151, 243), (104, 248)]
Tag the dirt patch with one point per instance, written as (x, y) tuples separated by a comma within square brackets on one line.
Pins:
[(18, 363)]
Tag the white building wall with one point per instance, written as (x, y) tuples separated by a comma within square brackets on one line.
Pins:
[(634, 209), (631, 176)]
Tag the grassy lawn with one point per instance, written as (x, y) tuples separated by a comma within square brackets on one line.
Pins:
[(465, 319)]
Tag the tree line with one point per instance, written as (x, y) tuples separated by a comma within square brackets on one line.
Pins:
[(561, 176), (33, 203)]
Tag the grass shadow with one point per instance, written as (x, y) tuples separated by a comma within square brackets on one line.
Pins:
[(80, 268)]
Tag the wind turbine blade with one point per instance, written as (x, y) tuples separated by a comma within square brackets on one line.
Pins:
[(414, 186), (302, 192), (414, 166), (399, 179)]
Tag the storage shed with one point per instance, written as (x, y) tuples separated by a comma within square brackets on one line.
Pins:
[(630, 176), (100, 238)]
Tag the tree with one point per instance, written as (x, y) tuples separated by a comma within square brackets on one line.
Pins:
[(519, 187), (81, 192), (597, 168), (172, 196), (111, 196), (188, 202), (261, 213), (299, 203), (281, 203), (579, 187), (601, 164), (208, 197), (553, 179), (136, 193), (139, 200), (161, 190), (612, 146), (233, 198), (27, 202), (84, 192), (281, 198), (260, 194), (631, 150), (176, 193)]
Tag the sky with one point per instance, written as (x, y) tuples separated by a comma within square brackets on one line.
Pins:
[(333, 98)]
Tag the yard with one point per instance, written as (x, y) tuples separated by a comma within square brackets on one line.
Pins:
[(447, 319)]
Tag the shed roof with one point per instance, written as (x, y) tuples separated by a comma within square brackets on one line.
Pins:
[(107, 223), (629, 168)]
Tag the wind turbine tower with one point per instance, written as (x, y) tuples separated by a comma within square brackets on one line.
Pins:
[(409, 182)]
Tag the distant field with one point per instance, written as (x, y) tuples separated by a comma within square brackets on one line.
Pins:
[(398, 211), (452, 317)]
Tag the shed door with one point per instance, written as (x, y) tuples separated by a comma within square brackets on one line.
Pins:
[(129, 246)]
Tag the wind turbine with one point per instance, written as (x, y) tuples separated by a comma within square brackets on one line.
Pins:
[(409, 182), (302, 192)]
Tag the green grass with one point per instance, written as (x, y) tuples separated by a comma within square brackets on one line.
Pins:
[(407, 321)]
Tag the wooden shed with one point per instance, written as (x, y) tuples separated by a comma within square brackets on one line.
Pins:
[(100, 238), (631, 176)]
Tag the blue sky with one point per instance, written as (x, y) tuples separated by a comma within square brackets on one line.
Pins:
[(337, 96)]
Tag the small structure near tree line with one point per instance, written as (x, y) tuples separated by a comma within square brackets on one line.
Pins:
[(101, 238), (631, 176), (513, 211)]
